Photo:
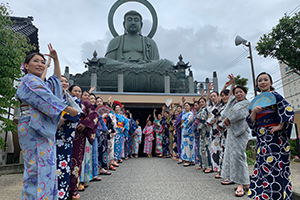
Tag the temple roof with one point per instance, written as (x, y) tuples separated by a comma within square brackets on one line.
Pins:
[(25, 26)]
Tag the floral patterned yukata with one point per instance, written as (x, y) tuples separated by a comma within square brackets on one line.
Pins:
[(157, 125), (188, 137), (148, 131), (41, 104), (64, 144), (136, 140), (90, 121), (119, 137), (271, 177)]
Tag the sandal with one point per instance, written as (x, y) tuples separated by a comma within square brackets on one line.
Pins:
[(218, 176), (245, 187), (136, 156), (239, 193), (81, 188), (227, 182), (198, 168), (75, 196), (180, 161), (96, 178), (115, 165), (84, 185), (209, 171), (105, 173), (126, 158), (187, 164), (112, 168)]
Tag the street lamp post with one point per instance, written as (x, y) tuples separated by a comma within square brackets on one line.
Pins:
[(239, 40)]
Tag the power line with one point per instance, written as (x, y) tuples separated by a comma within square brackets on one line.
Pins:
[(243, 55)]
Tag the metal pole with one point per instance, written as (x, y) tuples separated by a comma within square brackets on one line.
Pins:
[(252, 67)]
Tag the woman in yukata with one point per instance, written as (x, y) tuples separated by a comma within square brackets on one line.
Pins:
[(136, 139), (216, 140), (148, 131), (86, 170), (235, 167), (85, 130), (204, 136), (188, 137), (41, 105), (157, 125), (219, 121), (120, 119), (271, 178), (64, 142), (177, 125)]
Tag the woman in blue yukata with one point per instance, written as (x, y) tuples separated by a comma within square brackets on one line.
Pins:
[(188, 136), (41, 105), (271, 178)]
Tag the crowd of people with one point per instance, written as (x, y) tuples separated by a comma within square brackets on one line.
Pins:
[(69, 136)]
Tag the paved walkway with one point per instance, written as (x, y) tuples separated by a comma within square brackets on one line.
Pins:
[(148, 178)]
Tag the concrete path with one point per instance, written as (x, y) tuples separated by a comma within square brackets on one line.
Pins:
[(150, 178), (158, 178)]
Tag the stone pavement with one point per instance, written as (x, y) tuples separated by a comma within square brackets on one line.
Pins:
[(149, 178)]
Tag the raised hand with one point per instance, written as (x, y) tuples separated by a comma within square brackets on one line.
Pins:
[(231, 78), (210, 86), (52, 52), (228, 83), (183, 99), (194, 99), (48, 62), (202, 93)]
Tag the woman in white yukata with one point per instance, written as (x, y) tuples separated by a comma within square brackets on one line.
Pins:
[(41, 105), (235, 167)]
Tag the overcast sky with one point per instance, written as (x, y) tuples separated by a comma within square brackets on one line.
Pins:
[(202, 31)]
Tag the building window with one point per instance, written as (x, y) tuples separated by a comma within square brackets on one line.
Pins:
[(289, 80), (297, 100), (289, 85), (287, 69), (292, 101), (298, 106), (294, 83), (295, 89), (290, 90)]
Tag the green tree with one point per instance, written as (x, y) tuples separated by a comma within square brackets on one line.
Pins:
[(283, 42), (241, 81), (13, 48)]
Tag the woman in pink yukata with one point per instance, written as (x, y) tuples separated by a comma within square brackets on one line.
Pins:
[(41, 105), (148, 131)]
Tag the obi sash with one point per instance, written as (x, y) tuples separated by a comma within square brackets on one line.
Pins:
[(120, 125), (266, 118)]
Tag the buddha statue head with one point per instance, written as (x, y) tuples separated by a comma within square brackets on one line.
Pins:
[(132, 23)]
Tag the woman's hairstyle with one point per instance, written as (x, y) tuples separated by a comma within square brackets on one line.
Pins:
[(116, 106), (30, 56), (202, 98), (197, 102), (187, 103), (215, 92), (72, 87), (92, 94), (225, 92), (179, 106), (241, 87), (108, 105), (99, 98), (137, 120), (84, 92), (65, 77), (127, 115), (270, 77)]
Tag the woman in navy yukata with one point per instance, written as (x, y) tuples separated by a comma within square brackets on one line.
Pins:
[(271, 177), (64, 141), (41, 106)]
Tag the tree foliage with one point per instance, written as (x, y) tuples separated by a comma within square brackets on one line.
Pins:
[(13, 48), (283, 42), (241, 81)]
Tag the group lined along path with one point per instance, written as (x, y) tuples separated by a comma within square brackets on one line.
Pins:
[(158, 178)]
